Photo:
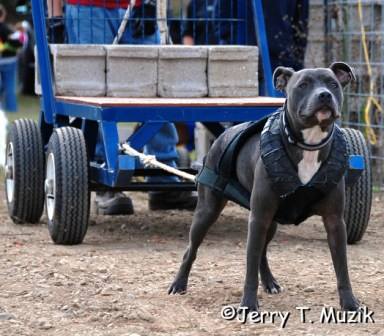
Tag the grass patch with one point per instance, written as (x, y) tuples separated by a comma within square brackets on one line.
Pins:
[(29, 107)]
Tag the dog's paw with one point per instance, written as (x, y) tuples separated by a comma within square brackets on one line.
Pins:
[(272, 287), (350, 303), (248, 305), (179, 286)]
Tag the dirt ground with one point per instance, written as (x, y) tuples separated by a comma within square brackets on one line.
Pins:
[(116, 282)]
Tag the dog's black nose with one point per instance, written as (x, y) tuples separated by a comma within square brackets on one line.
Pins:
[(325, 97)]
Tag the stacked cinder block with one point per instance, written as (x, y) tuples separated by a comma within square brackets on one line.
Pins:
[(347, 12), (315, 53), (345, 34), (151, 71), (233, 71), (79, 70), (182, 72), (131, 71), (347, 45)]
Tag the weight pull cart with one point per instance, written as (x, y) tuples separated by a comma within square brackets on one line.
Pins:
[(53, 163)]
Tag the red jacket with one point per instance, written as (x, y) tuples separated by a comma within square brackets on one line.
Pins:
[(104, 3)]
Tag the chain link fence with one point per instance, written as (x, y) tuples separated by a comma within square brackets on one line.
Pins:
[(354, 33)]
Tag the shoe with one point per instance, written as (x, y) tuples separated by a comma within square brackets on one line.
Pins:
[(113, 204), (172, 200)]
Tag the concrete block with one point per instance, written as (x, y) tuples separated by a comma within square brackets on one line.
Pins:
[(316, 17), (315, 52), (348, 14), (182, 71), (203, 142), (345, 17), (132, 71), (349, 48), (233, 71), (79, 70)]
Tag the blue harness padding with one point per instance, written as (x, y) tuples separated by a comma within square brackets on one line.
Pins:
[(296, 199)]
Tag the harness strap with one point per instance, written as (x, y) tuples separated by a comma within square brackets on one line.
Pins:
[(227, 163), (230, 188), (223, 177)]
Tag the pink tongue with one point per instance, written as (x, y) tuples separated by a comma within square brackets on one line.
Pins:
[(323, 115)]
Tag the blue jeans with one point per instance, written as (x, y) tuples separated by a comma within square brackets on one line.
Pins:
[(96, 25), (8, 75)]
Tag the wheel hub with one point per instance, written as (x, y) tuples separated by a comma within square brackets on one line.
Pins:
[(50, 187), (9, 173)]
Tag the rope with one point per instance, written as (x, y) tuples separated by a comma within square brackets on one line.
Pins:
[(161, 13), (371, 98), (123, 23), (162, 21), (151, 161)]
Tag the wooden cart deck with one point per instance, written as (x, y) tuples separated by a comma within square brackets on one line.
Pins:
[(190, 102)]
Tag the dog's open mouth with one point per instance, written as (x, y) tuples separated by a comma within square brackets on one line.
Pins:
[(325, 114)]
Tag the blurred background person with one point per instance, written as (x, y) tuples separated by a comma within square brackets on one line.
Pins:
[(286, 23), (10, 42), (198, 27)]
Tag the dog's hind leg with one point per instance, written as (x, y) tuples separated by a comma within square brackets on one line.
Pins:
[(268, 281), (209, 206)]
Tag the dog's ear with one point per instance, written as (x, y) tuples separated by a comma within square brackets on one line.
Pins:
[(344, 73), (281, 77)]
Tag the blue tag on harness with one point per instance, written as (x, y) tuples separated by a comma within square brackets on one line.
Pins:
[(356, 162), (356, 166)]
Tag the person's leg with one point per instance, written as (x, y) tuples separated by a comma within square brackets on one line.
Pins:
[(89, 24), (9, 80)]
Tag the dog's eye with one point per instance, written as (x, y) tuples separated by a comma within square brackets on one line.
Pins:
[(303, 85), (335, 85)]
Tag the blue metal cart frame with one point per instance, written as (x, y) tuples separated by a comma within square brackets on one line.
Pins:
[(89, 116), (70, 170)]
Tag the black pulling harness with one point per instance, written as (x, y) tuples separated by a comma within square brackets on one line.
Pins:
[(296, 199)]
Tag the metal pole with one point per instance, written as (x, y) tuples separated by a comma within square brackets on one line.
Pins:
[(262, 42), (48, 98)]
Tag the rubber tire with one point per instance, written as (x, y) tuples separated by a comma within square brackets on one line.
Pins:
[(27, 205), (71, 212), (358, 197)]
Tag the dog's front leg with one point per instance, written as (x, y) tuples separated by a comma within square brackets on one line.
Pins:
[(264, 205), (333, 218), (337, 241)]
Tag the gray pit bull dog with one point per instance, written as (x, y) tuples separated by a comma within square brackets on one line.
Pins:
[(314, 101)]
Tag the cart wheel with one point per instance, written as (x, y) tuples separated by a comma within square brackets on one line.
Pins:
[(66, 186), (358, 197), (24, 172)]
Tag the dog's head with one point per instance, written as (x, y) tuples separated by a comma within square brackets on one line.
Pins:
[(314, 96)]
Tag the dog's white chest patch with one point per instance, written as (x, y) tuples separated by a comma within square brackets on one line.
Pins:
[(310, 163)]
